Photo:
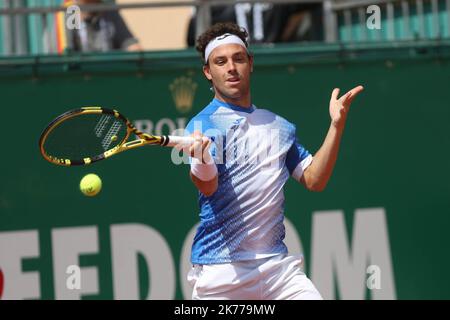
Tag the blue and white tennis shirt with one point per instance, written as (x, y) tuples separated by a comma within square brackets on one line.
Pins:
[(255, 151)]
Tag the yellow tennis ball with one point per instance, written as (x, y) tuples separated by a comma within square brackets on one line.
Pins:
[(113, 138), (90, 185)]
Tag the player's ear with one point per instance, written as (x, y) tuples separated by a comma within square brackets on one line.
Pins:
[(207, 72), (250, 59)]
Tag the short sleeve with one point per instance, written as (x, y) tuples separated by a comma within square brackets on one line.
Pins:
[(297, 160)]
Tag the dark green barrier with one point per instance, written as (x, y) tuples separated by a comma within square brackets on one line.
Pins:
[(379, 230)]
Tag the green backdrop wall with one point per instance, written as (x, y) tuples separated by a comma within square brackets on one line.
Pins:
[(390, 188)]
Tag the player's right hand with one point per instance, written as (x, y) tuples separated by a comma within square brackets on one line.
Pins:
[(200, 148)]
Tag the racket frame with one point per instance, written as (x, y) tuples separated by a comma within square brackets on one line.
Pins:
[(144, 138)]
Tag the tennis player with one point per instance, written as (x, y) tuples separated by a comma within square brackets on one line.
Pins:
[(238, 251)]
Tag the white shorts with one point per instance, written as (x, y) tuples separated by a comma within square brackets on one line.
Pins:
[(278, 277)]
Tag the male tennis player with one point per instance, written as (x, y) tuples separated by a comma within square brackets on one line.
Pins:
[(238, 251)]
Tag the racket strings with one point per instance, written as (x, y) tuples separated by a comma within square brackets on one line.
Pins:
[(111, 135), (101, 125)]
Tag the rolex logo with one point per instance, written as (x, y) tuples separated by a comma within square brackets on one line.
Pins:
[(183, 92)]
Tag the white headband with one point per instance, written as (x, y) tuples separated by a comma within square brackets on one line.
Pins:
[(226, 38)]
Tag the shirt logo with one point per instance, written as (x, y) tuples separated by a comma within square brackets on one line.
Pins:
[(235, 124)]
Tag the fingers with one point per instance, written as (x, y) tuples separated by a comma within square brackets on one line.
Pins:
[(345, 98), (357, 90), (195, 150), (201, 139), (200, 146), (197, 135), (353, 93), (205, 143), (350, 95), (335, 94)]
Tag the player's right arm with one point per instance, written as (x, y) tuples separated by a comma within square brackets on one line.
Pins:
[(206, 187), (203, 169)]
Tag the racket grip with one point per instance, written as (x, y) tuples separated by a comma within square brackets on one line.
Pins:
[(181, 142)]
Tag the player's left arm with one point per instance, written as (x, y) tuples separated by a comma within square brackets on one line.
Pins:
[(316, 175)]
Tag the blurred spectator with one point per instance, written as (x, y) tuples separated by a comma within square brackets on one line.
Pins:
[(268, 23), (304, 23), (218, 14), (101, 31)]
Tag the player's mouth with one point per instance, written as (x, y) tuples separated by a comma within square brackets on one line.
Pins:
[(234, 80)]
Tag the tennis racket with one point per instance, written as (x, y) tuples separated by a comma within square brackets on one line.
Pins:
[(87, 135)]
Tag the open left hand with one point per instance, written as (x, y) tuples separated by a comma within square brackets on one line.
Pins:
[(339, 107)]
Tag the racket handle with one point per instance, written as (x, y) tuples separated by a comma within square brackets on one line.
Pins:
[(181, 142)]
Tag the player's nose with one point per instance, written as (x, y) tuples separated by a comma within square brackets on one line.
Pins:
[(231, 66)]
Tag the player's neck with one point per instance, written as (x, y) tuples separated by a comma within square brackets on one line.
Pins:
[(244, 102)]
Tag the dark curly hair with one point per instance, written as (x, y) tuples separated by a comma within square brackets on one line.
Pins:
[(217, 30)]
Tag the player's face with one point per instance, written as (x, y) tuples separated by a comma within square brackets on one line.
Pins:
[(229, 70)]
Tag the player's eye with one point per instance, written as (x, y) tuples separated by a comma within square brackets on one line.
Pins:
[(239, 58)]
